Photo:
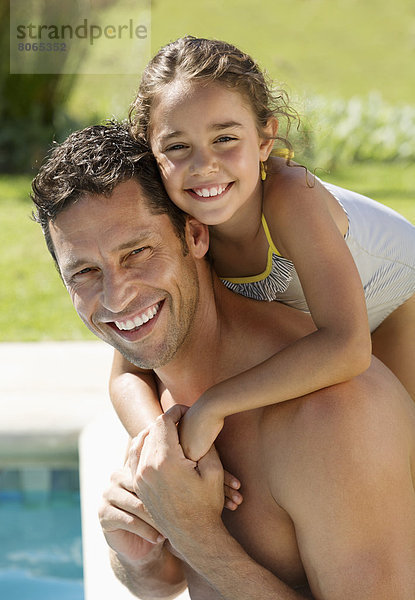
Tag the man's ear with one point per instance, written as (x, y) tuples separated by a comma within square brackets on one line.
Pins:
[(268, 138), (197, 237)]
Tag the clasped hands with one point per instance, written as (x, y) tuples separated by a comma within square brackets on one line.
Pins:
[(160, 494)]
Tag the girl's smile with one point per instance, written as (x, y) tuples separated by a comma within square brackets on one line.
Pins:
[(208, 148), (208, 192)]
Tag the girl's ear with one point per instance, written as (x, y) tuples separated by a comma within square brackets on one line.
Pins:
[(268, 138), (197, 237)]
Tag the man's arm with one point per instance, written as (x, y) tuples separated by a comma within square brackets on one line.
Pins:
[(141, 562), (185, 502), (350, 493), (154, 576)]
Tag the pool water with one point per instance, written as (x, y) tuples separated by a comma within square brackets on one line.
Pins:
[(40, 536)]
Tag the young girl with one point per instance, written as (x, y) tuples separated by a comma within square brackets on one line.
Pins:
[(277, 233)]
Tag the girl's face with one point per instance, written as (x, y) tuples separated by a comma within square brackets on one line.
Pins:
[(207, 145)]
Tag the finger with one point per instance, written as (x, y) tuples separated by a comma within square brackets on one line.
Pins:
[(121, 478), (165, 431), (231, 480), (135, 450), (230, 505), (233, 494), (232, 500), (175, 413), (136, 443), (117, 497), (209, 466), (113, 519), (125, 500)]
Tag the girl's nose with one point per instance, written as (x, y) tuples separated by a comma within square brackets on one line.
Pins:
[(203, 163)]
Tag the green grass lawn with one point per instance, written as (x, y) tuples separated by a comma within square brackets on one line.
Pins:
[(34, 304), (393, 185), (336, 48)]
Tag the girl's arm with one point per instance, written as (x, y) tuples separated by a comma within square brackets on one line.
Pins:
[(304, 226), (134, 395)]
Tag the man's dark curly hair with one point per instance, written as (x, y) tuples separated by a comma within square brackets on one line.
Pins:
[(95, 160)]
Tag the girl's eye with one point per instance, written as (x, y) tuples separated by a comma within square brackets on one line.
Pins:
[(225, 138)]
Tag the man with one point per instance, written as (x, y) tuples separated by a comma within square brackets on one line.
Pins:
[(328, 479)]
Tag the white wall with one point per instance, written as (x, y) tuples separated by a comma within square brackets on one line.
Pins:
[(101, 451)]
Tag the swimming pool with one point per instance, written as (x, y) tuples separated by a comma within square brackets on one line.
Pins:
[(40, 534)]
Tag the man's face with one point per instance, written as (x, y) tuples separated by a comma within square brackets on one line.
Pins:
[(127, 275)]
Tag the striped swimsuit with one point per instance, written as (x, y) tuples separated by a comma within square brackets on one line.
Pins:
[(382, 244)]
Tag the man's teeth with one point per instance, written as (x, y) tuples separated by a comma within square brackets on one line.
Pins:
[(139, 320), (211, 191)]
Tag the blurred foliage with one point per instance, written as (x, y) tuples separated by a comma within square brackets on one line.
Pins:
[(337, 133), (326, 49), (34, 304), (334, 48), (32, 108)]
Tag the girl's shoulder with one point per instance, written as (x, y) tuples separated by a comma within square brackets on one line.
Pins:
[(295, 200), (289, 188)]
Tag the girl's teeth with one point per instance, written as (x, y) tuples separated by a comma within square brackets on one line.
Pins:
[(208, 193)]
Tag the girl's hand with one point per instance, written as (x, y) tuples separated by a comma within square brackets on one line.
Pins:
[(198, 429), (233, 497)]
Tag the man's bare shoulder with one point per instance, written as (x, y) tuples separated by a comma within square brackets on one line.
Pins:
[(370, 418), (340, 466)]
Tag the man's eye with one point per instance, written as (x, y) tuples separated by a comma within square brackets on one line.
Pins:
[(79, 275), (139, 250)]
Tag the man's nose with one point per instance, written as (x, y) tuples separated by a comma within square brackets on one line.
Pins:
[(118, 290), (204, 162)]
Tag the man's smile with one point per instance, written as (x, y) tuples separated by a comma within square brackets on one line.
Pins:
[(138, 320), (135, 326)]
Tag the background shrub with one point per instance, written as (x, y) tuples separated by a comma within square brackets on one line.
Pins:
[(336, 133)]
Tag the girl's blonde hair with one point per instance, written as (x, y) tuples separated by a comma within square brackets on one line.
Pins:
[(202, 60)]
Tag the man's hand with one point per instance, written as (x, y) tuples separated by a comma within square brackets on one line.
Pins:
[(127, 526), (183, 497), (185, 501)]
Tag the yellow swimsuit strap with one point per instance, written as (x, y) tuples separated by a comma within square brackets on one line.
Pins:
[(268, 236), (271, 250)]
